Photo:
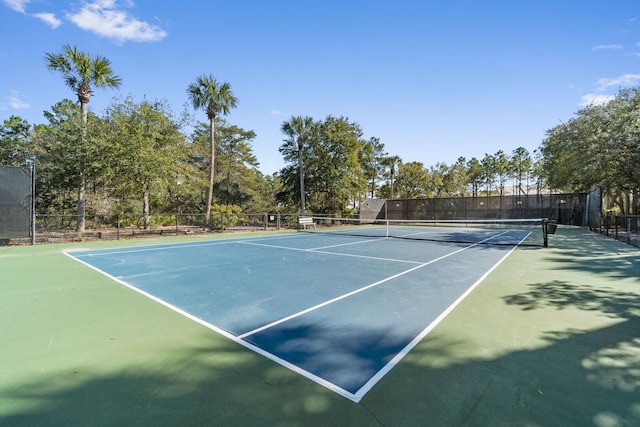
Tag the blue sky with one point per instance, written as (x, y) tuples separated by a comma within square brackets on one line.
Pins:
[(434, 80)]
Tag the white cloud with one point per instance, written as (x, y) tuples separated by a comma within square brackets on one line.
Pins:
[(601, 96), (15, 101), (17, 5), (49, 19), (21, 6), (607, 47), (18, 103), (279, 113), (624, 80), (592, 99), (106, 19)]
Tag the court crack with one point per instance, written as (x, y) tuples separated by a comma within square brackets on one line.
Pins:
[(374, 415)]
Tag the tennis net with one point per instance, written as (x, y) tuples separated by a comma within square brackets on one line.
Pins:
[(525, 232)]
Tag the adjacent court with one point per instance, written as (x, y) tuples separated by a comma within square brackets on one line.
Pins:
[(340, 310)]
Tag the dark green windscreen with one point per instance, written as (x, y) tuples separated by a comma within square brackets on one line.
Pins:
[(15, 202)]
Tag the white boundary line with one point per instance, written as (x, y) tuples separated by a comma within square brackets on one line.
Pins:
[(315, 250), (355, 397), (348, 294), (234, 338), (181, 245), (150, 248), (398, 357)]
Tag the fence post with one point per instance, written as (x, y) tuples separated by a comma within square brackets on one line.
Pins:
[(33, 203), (265, 221), (177, 216), (118, 227), (628, 230)]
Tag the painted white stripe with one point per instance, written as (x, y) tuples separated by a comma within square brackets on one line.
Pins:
[(396, 359), (314, 250), (355, 397), (354, 292), (246, 344)]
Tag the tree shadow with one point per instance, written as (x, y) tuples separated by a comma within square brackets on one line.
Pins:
[(577, 378), (581, 378), (559, 294), (219, 383), (567, 377), (571, 377), (583, 251)]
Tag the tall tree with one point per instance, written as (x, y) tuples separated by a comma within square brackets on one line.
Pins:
[(437, 180), (521, 164), (502, 169), (298, 129), (82, 72), (413, 181), (236, 164), (488, 172), (391, 164), (148, 150), (15, 147), (333, 176), (216, 98), (457, 178), (474, 175), (599, 147), (336, 171), (59, 145), (371, 159)]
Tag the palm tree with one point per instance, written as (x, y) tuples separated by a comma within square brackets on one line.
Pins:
[(81, 72), (391, 162), (298, 128), (216, 98)]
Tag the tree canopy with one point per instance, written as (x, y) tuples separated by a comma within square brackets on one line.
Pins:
[(599, 147), (137, 157)]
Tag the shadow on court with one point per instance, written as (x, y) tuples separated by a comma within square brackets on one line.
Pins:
[(561, 295), (551, 338), (594, 253), (579, 379)]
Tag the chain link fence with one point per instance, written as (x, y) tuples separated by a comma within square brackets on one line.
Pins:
[(624, 228), (63, 228), (560, 208)]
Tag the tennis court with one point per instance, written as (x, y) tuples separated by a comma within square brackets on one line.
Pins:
[(339, 309), (297, 329)]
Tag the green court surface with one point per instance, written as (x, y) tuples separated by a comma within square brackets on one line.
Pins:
[(550, 338)]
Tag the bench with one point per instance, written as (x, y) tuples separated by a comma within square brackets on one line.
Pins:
[(305, 221)]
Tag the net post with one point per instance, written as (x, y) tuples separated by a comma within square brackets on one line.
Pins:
[(545, 232), (386, 219)]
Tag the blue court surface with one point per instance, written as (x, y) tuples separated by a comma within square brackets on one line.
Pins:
[(340, 310)]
